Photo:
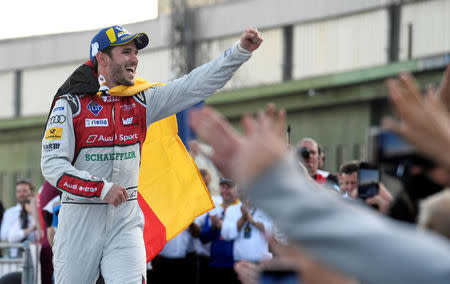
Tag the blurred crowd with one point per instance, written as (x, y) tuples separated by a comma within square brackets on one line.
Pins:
[(293, 219)]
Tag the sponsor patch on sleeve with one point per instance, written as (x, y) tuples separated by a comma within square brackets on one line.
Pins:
[(54, 133), (61, 108), (51, 146)]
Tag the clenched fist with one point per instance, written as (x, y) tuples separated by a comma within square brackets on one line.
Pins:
[(116, 195), (251, 39)]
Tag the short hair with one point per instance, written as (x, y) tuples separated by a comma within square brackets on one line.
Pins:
[(309, 139), (349, 167), (434, 212), (27, 182), (108, 51)]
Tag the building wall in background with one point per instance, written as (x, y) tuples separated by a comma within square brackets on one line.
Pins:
[(39, 85), (340, 44), (264, 67), (154, 66), (7, 82), (429, 22)]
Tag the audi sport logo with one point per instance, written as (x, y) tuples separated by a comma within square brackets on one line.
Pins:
[(57, 119)]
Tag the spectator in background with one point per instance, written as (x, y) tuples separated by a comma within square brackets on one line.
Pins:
[(434, 213), (419, 182), (349, 184), (25, 226), (172, 265), (249, 228), (348, 178), (24, 189), (221, 258), (202, 250), (308, 153)]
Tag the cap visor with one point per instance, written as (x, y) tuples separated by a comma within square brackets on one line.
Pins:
[(141, 40)]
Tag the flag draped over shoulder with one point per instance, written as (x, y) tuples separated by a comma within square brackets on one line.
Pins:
[(171, 192)]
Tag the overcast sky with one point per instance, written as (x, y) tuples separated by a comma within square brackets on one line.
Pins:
[(23, 18)]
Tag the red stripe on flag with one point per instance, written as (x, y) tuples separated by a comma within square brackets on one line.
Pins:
[(154, 230)]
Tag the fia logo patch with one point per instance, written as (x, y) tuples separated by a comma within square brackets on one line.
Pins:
[(94, 107)]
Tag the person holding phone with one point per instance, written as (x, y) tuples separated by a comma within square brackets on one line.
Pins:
[(375, 194)]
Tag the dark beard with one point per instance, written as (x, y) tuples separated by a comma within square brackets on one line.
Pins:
[(118, 77)]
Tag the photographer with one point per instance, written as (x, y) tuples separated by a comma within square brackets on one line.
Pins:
[(310, 154), (418, 183)]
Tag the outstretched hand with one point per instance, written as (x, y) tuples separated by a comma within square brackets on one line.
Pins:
[(251, 39), (237, 156), (444, 89), (425, 120)]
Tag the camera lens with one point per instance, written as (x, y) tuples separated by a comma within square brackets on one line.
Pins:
[(304, 152)]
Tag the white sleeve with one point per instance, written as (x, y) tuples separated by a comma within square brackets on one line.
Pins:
[(6, 225), (229, 229), (15, 234), (263, 218), (182, 93)]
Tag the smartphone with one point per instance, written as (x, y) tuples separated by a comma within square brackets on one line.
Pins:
[(279, 276), (368, 180)]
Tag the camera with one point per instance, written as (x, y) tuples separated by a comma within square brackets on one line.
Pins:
[(387, 149), (303, 152)]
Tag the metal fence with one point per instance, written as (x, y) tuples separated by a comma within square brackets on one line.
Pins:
[(27, 261)]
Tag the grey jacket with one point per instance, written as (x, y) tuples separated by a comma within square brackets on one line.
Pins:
[(352, 239)]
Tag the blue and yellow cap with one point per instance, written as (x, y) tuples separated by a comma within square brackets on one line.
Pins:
[(115, 35)]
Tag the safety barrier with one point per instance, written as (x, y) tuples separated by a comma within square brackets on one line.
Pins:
[(26, 262)]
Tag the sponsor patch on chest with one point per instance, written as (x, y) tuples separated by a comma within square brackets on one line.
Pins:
[(109, 157), (94, 107), (96, 122), (127, 121), (110, 99)]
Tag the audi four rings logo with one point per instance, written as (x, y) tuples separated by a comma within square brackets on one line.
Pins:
[(57, 119)]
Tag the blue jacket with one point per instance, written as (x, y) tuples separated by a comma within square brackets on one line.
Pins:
[(221, 250)]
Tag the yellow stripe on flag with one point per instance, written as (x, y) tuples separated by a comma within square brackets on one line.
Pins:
[(169, 180), (111, 35)]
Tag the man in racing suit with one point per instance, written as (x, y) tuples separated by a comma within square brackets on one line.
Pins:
[(91, 152)]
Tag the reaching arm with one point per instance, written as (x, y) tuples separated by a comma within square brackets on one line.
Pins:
[(352, 239), (371, 247), (182, 93)]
